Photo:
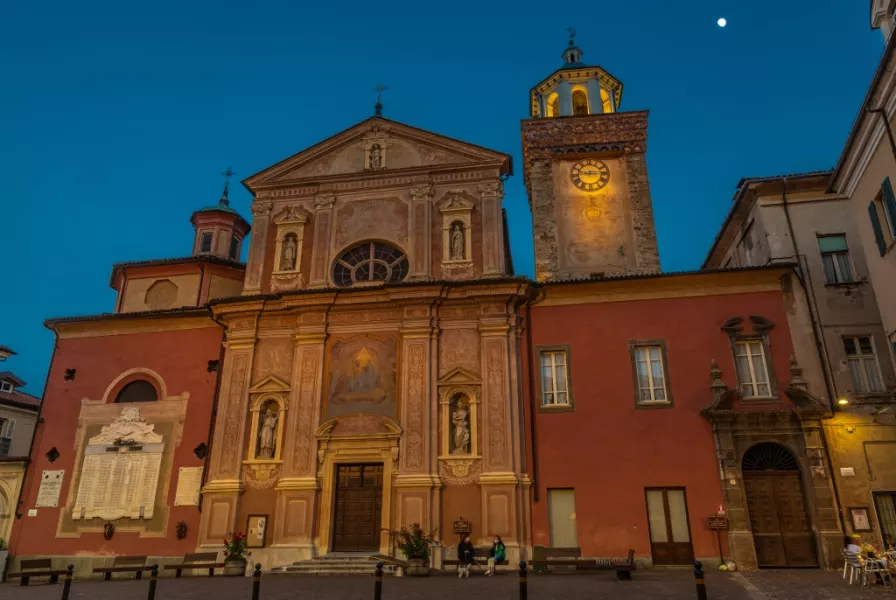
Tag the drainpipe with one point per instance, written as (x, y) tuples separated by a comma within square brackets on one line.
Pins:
[(818, 346)]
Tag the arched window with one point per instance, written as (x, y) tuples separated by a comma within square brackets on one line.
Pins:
[(605, 101), (138, 391), (769, 456), (370, 261), (234, 248), (554, 105), (579, 102)]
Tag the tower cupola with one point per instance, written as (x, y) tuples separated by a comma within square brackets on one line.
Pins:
[(220, 230)]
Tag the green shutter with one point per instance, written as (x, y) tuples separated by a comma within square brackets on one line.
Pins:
[(889, 204), (832, 243), (875, 225)]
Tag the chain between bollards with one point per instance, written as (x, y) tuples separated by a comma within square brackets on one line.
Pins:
[(67, 585), (378, 582), (524, 581), (256, 581), (698, 576), (153, 580)]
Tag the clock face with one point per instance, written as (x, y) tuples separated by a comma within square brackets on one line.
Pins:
[(590, 174)]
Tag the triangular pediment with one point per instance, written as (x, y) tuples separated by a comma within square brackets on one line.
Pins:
[(399, 147), (271, 383), (459, 376)]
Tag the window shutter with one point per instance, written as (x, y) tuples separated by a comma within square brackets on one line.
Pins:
[(875, 225), (889, 204)]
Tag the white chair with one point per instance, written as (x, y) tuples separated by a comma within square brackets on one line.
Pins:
[(874, 569), (852, 565)]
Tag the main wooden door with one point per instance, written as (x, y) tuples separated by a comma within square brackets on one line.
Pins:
[(781, 530), (670, 532), (359, 504)]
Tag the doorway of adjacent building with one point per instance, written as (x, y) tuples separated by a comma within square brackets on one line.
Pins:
[(358, 508), (670, 532), (885, 503), (562, 517), (777, 506)]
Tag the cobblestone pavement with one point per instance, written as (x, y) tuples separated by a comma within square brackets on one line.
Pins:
[(647, 585)]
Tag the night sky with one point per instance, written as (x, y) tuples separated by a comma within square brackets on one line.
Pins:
[(116, 119)]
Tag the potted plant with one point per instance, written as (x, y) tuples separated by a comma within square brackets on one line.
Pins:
[(414, 543), (235, 554)]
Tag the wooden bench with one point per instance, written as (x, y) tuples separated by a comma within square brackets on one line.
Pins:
[(198, 560), (480, 558), (37, 567), (544, 558), (125, 564)]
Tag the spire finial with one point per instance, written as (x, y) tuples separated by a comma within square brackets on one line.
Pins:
[(572, 35), (226, 174), (378, 108)]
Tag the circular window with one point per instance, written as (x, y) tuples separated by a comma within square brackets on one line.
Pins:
[(370, 261)]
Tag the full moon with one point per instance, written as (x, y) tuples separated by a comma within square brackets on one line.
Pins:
[(722, 22)]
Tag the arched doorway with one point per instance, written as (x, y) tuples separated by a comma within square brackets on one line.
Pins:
[(777, 508)]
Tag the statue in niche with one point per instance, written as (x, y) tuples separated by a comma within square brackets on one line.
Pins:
[(267, 432), (288, 254), (460, 422), (376, 157), (458, 247)]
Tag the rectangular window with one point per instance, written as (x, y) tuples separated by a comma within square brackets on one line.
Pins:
[(5, 386), (863, 364), (205, 244), (752, 370), (746, 242), (650, 374), (234, 248), (7, 428), (835, 258), (562, 518), (885, 503), (554, 378)]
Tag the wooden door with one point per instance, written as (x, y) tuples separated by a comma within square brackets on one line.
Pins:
[(670, 532), (358, 506), (562, 517), (781, 530)]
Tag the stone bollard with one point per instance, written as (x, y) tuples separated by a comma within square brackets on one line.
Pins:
[(378, 582), (256, 581), (153, 580), (524, 581), (698, 576), (67, 585)]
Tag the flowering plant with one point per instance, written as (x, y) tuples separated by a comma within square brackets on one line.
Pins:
[(235, 547), (414, 542)]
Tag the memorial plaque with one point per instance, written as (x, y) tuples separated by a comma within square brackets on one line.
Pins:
[(50, 488), (189, 481), (718, 522), (462, 526), (120, 473)]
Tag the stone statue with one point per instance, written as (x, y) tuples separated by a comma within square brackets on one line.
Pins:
[(376, 156), (288, 257), (268, 434), (461, 430), (457, 242)]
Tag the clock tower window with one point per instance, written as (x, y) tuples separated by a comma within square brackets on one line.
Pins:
[(580, 102)]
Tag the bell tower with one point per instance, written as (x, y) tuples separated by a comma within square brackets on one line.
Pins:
[(586, 176), (219, 229)]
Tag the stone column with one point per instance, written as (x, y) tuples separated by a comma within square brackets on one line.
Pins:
[(261, 220), (821, 494), (320, 253), (220, 496), (595, 104), (421, 233), (298, 488), (490, 195), (564, 93), (741, 547)]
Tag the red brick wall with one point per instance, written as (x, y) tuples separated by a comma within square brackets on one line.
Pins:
[(609, 451), (181, 359)]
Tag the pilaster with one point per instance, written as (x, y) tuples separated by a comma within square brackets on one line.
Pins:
[(490, 196), (421, 232), (261, 220), (323, 227)]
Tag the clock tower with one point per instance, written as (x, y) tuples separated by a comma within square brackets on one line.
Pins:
[(586, 176)]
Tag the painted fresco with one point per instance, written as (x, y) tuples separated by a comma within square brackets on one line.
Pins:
[(363, 373)]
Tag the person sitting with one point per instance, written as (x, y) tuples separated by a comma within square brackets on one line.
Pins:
[(851, 546), (465, 551), (496, 555)]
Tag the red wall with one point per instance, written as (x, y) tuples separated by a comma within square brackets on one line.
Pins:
[(181, 359), (609, 451)]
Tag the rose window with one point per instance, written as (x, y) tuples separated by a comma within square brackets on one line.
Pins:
[(368, 262)]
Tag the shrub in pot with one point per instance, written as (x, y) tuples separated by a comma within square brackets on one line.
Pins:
[(415, 544), (235, 554)]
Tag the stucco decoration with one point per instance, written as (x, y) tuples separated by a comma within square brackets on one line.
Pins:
[(362, 375), (161, 294), (459, 400), (459, 348), (416, 366), (273, 357), (497, 404), (380, 218), (261, 476)]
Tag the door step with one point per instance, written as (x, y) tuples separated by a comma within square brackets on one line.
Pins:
[(340, 563)]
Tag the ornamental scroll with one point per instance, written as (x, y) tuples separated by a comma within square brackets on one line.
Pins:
[(120, 474)]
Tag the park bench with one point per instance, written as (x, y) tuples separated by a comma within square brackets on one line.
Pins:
[(37, 567), (480, 558), (544, 557), (125, 564), (198, 560), (622, 566)]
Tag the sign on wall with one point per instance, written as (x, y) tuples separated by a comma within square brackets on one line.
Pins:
[(189, 481), (50, 488)]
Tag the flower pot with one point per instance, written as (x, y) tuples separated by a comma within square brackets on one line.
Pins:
[(417, 567), (235, 566)]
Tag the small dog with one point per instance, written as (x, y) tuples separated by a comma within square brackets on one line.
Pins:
[(463, 571)]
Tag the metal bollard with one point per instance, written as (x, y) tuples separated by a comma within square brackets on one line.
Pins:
[(701, 585), (67, 585), (378, 582), (256, 581), (153, 579), (524, 581)]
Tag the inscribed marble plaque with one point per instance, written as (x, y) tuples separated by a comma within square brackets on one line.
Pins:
[(50, 488), (189, 481)]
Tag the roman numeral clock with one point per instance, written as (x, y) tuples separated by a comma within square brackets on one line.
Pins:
[(590, 175)]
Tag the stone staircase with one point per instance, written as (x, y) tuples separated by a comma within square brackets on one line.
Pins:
[(336, 563)]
